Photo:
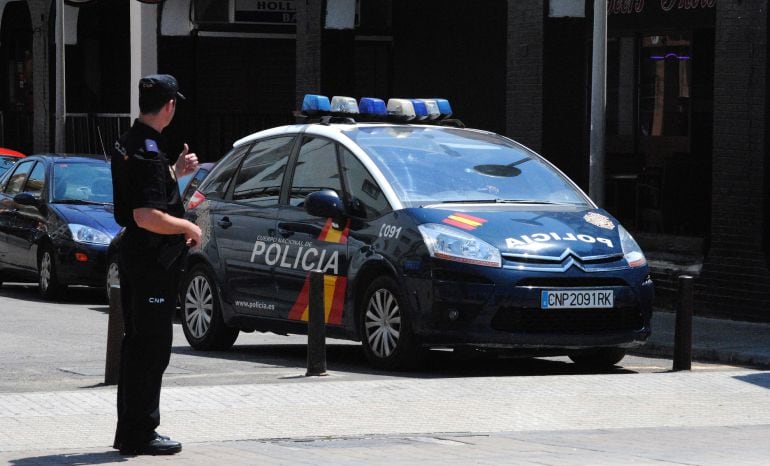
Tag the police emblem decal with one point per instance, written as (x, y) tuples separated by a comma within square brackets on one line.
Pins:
[(601, 221)]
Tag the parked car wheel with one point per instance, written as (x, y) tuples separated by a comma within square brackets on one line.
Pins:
[(113, 275), (48, 283), (202, 320), (598, 358), (385, 328)]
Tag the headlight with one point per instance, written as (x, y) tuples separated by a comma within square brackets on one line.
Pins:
[(631, 250), (450, 244), (84, 234)]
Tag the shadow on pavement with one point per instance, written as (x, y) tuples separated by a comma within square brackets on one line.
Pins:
[(761, 379), (72, 459), (438, 364)]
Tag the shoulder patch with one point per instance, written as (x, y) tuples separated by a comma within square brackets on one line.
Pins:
[(150, 146)]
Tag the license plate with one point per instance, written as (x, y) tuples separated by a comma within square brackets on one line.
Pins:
[(576, 299)]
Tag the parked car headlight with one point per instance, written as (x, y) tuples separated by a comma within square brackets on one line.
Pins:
[(84, 234), (447, 243), (631, 250)]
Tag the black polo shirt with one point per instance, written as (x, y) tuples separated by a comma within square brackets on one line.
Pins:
[(142, 177)]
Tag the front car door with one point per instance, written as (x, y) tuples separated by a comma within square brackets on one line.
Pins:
[(30, 223), (8, 212), (306, 243)]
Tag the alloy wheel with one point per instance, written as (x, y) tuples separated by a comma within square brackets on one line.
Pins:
[(198, 306), (383, 323), (45, 271)]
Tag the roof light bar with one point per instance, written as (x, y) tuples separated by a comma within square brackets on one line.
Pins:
[(432, 108), (444, 108), (373, 109)]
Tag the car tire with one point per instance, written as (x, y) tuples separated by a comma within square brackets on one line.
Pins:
[(598, 358), (113, 274), (385, 329), (48, 282), (202, 320)]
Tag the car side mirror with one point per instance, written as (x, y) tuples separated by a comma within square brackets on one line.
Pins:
[(325, 203), (26, 199)]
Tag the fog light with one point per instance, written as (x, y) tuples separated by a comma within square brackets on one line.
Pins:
[(453, 314), (81, 257)]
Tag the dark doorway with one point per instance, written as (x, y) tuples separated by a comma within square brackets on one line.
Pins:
[(16, 77)]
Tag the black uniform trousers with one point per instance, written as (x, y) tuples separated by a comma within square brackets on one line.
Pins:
[(148, 294)]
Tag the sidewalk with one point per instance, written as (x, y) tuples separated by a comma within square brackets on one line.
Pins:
[(559, 419), (717, 340)]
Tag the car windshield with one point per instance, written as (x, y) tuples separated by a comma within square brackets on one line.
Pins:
[(82, 182), (429, 165), (6, 163)]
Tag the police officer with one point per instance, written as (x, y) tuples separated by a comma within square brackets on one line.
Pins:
[(148, 205)]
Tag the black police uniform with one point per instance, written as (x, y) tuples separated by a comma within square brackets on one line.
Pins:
[(142, 177)]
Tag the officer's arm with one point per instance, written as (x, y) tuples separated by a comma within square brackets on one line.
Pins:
[(160, 222)]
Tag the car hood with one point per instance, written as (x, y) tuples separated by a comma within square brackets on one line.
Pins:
[(551, 231), (97, 216)]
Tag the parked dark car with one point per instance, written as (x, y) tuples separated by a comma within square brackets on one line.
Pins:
[(56, 222), (187, 186)]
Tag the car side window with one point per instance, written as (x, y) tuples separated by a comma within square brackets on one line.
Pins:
[(259, 179), (18, 178), (215, 185), (366, 198), (36, 180), (316, 169)]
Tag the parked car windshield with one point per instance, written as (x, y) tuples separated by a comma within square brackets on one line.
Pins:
[(82, 182), (438, 164)]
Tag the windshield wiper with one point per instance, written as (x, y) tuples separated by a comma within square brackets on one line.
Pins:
[(497, 201), (80, 201)]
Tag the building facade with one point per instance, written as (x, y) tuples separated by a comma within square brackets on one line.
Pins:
[(686, 94)]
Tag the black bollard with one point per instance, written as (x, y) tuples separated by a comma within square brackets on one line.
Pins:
[(683, 329), (316, 327), (115, 329)]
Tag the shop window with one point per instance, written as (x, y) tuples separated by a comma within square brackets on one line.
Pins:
[(664, 94)]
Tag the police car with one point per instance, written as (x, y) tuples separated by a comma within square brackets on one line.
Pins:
[(429, 235)]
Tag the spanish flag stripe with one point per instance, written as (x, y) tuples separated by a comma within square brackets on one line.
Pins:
[(335, 317), (458, 218), (470, 217), (300, 306), (325, 231), (464, 226)]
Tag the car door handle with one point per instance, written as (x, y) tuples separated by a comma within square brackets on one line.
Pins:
[(225, 223)]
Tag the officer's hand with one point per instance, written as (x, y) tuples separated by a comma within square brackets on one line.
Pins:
[(186, 163), (192, 236)]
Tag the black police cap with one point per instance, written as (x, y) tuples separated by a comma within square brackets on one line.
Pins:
[(157, 89)]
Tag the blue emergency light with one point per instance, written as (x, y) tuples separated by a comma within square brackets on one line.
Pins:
[(444, 107), (420, 110), (372, 107), (314, 104)]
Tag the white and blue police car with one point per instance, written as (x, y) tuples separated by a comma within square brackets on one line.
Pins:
[(428, 234)]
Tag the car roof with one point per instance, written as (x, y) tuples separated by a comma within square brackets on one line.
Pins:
[(334, 130), (70, 157)]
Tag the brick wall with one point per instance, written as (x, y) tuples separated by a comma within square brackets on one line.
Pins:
[(735, 280), (524, 74)]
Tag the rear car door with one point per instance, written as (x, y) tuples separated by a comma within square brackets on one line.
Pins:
[(244, 226)]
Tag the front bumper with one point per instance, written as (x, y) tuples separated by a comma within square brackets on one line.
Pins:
[(498, 308), (92, 272)]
